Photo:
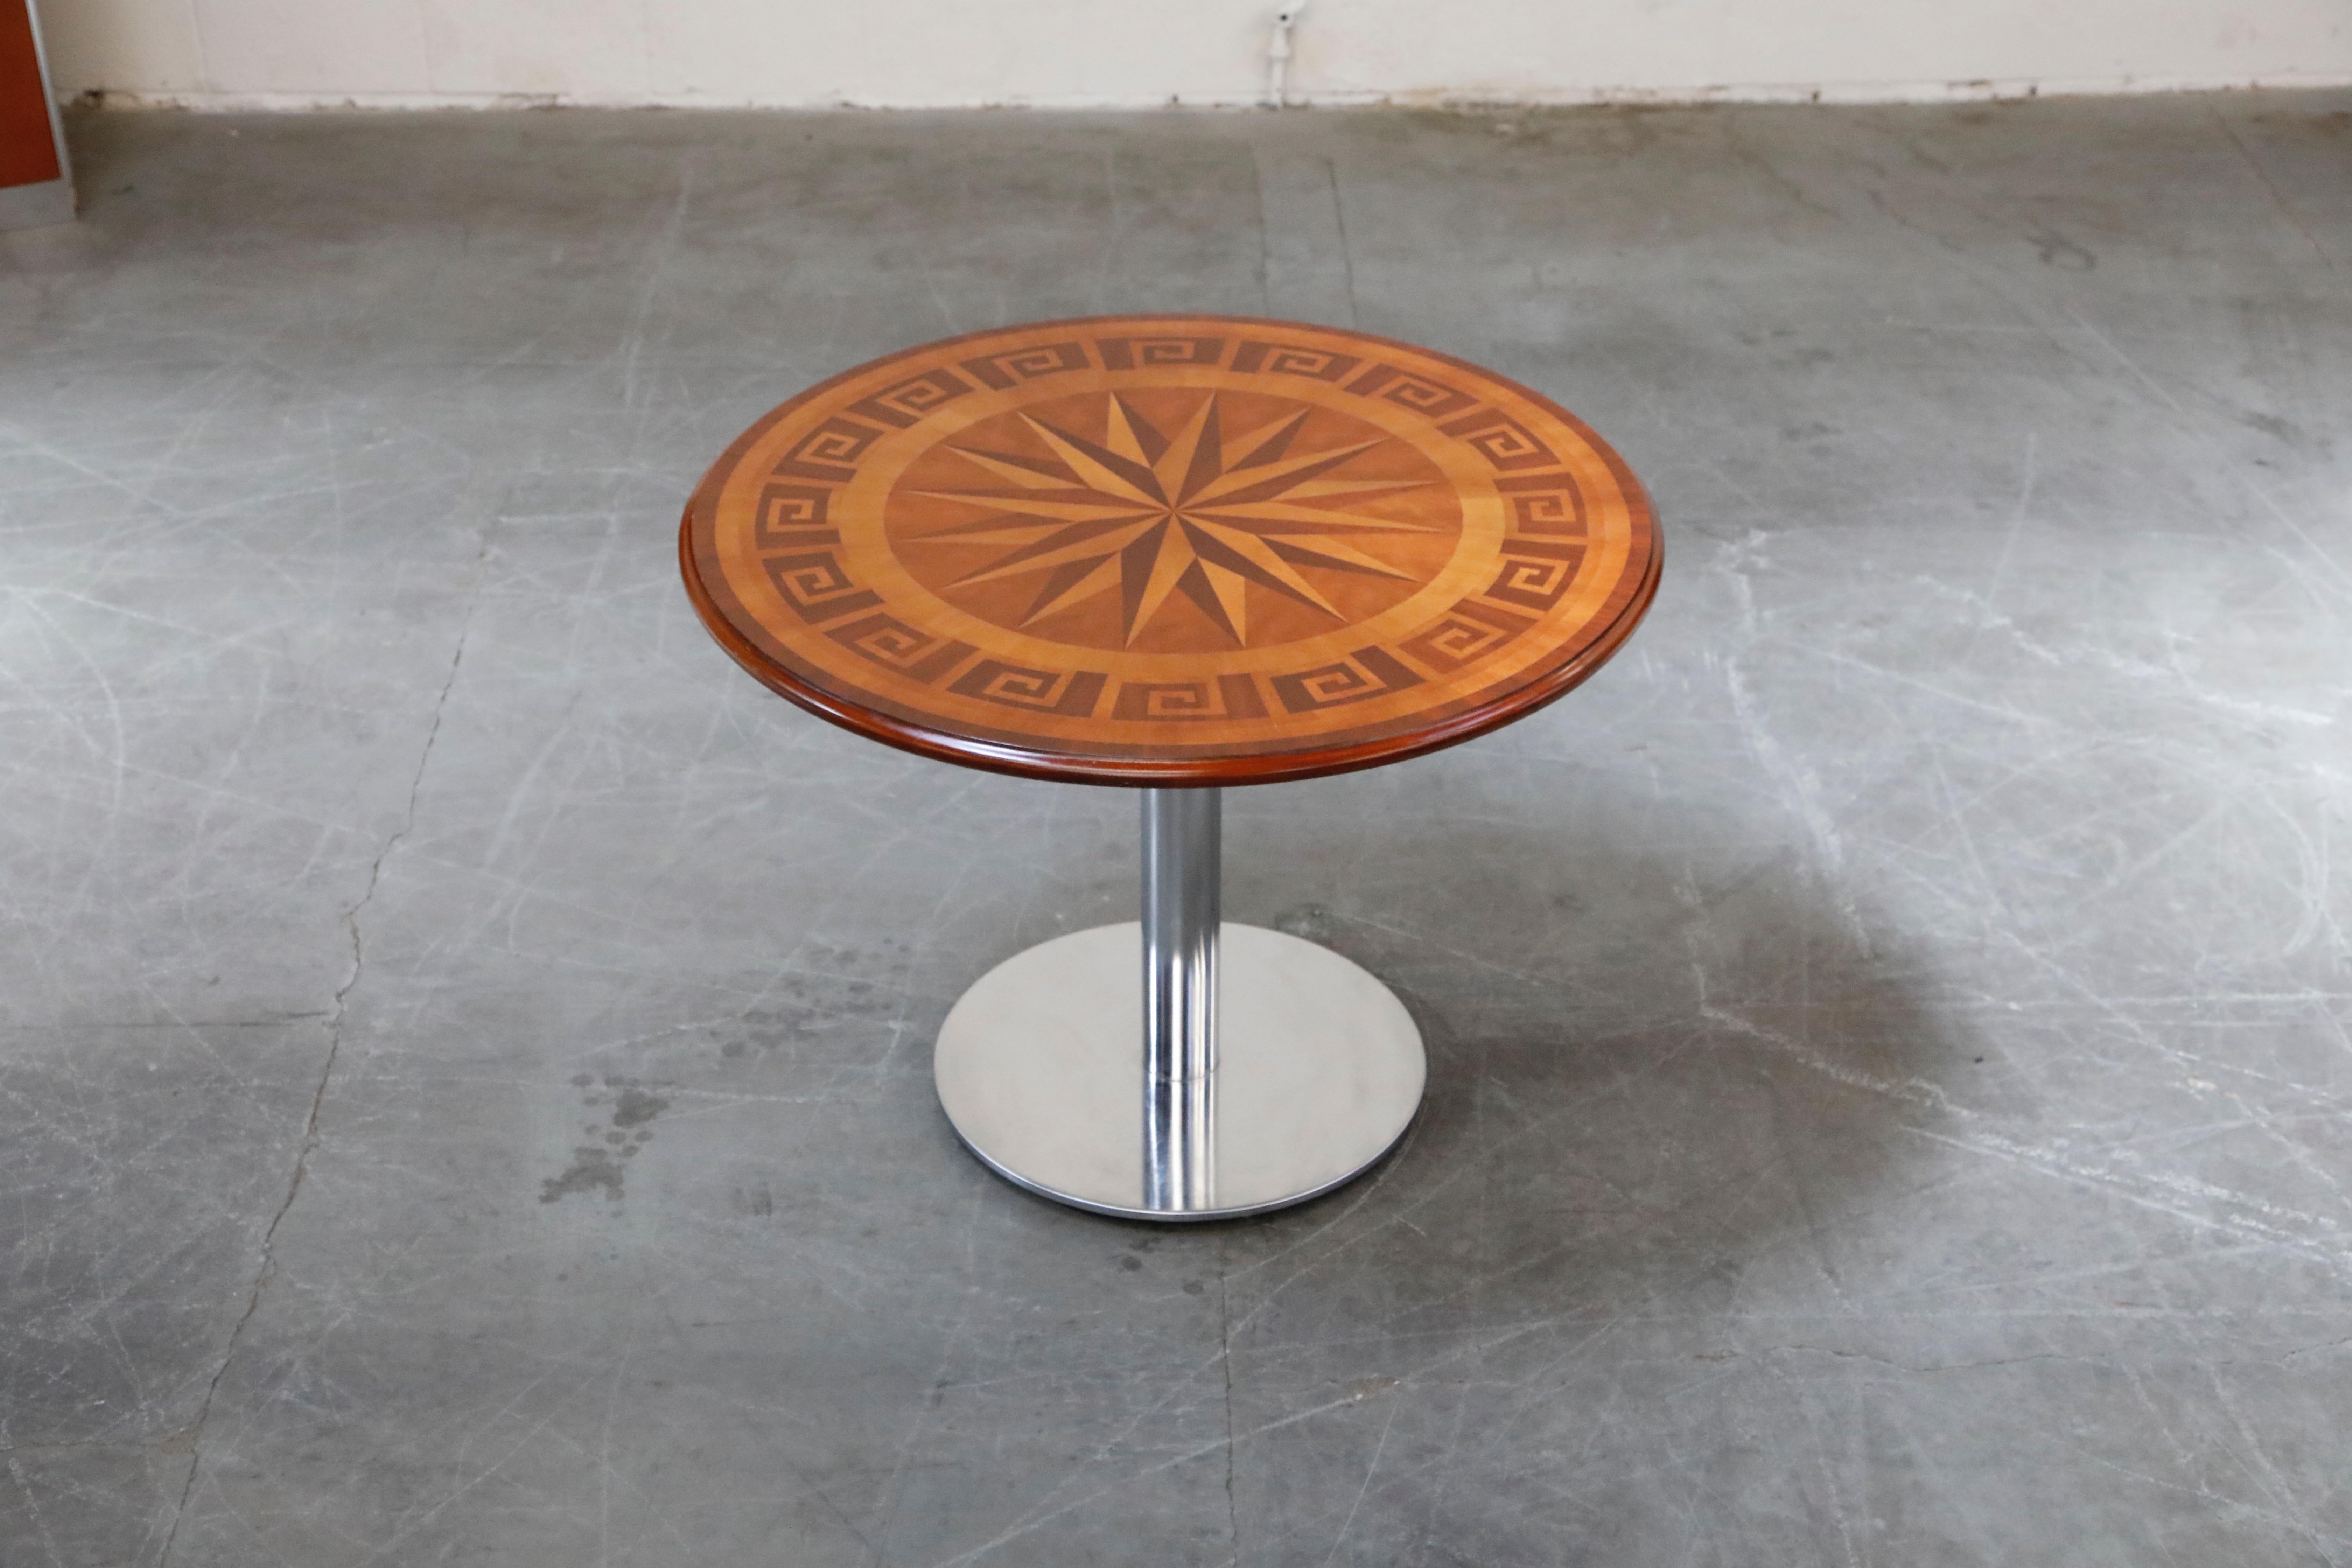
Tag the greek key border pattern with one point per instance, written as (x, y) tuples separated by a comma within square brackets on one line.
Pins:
[(1543, 553)]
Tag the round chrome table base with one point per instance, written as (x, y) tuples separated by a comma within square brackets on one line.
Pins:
[(1318, 1070)]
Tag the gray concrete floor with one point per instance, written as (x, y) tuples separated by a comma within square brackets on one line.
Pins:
[(1892, 1031)]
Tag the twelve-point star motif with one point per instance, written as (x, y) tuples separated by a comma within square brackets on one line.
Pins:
[(1146, 515)]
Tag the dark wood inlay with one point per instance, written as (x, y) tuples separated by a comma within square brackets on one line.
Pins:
[(1170, 549)]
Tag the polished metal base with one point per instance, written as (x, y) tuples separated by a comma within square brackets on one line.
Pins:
[(1319, 1071)]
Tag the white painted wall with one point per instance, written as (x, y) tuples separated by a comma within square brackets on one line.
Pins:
[(920, 53)]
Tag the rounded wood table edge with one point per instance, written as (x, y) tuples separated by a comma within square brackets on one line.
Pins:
[(1142, 772), (1197, 771)]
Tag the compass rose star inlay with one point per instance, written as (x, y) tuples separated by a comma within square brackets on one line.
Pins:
[(1175, 551), (1150, 516)]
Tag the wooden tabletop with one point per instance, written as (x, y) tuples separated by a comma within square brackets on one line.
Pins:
[(1170, 549)]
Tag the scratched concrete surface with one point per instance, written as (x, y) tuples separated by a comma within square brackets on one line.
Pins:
[(465, 1046)]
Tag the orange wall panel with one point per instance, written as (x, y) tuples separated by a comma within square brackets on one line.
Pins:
[(29, 155)]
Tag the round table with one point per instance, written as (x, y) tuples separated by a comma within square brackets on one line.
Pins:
[(1173, 553)]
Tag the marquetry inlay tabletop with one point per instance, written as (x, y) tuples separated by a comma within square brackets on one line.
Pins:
[(1169, 548)]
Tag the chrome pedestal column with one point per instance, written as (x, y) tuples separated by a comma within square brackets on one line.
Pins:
[(1182, 869), (1271, 1070)]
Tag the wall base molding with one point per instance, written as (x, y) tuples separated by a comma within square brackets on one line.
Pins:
[(1468, 99)]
